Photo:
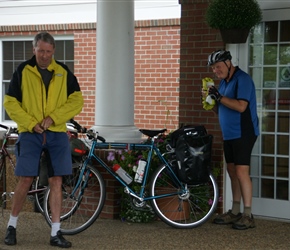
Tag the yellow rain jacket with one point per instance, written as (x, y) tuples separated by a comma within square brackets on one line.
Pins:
[(27, 102)]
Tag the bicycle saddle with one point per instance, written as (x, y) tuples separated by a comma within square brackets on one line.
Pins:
[(152, 133)]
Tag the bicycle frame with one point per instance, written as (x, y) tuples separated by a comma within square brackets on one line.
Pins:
[(152, 149)]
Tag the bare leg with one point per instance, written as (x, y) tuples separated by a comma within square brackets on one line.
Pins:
[(55, 197), (243, 176), (20, 194), (236, 189)]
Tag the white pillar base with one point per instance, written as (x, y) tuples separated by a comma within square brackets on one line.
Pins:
[(126, 134)]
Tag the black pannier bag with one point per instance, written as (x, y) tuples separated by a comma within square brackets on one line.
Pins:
[(193, 153)]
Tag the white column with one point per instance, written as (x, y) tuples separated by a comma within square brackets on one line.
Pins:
[(114, 117)]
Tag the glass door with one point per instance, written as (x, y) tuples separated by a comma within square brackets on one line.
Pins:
[(269, 66)]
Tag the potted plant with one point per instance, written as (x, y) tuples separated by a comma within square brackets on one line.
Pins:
[(234, 18)]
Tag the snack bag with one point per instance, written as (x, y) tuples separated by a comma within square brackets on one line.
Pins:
[(207, 102)]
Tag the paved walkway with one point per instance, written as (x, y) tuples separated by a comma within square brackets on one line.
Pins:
[(33, 233)]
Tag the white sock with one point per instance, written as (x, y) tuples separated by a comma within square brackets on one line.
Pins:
[(55, 226), (12, 221)]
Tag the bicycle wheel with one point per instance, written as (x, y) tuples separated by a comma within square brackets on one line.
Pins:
[(186, 207), (39, 193), (81, 209)]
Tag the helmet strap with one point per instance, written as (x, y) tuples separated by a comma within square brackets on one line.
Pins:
[(229, 70)]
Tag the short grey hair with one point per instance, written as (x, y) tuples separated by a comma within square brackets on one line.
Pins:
[(43, 36)]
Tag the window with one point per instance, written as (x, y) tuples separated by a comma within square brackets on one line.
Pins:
[(15, 52)]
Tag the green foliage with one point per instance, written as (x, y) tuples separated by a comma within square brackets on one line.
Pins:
[(232, 14)]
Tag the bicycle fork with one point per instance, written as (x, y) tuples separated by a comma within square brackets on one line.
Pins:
[(81, 183)]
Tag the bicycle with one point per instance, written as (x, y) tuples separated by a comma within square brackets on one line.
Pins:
[(84, 193), (37, 191), (40, 183)]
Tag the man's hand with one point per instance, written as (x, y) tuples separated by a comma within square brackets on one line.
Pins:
[(214, 93), (38, 129), (46, 122)]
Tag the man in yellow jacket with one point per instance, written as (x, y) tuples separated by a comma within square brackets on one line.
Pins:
[(43, 94)]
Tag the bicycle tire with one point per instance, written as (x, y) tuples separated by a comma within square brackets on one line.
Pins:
[(187, 209), (39, 195), (78, 214)]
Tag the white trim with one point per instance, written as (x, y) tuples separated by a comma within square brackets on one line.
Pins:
[(54, 12), (30, 38), (276, 15)]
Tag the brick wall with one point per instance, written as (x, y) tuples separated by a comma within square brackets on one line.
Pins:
[(157, 50)]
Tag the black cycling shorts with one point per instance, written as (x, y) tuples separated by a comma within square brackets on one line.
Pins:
[(238, 151)]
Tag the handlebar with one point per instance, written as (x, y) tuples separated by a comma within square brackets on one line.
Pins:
[(92, 135), (78, 127), (10, 130)]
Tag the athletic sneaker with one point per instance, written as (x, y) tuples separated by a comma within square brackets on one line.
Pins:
[(10, 238), (245, 222), (227, 218)]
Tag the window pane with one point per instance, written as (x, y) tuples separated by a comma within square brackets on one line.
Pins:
[(70, 66), (270, 77), (267, 188), (19, 51), (268, 166), (284, 75), (284, 100), (7, 70), (282, 190), (282, 167), (271, 32), (283, 122), (284, 31), (270, 54), (268, 142), (7, 51), (282, 144), (285, 54), (59, 50), (269, 98), (268, 122), (69, 50), (28, 50)]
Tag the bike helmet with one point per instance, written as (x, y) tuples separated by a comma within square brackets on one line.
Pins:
[(218, 56)]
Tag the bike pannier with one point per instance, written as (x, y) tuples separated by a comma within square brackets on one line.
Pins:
[(193, 155)]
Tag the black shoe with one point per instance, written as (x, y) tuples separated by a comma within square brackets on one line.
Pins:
[(59, 241), (10, 238)]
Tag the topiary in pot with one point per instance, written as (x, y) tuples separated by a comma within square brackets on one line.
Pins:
[(233, 17)]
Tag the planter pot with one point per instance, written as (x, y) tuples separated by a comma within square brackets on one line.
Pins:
[(235, 35), (174, 208)]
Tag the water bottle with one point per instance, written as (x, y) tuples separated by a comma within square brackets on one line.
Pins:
[(140, 171), (122, 173)]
